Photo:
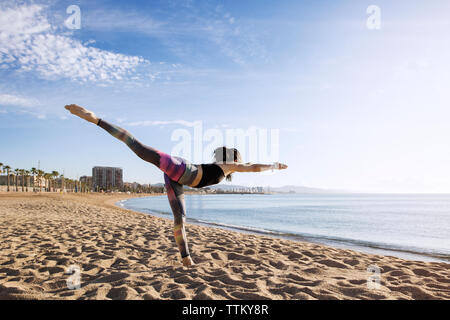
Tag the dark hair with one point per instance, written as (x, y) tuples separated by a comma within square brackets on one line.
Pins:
[(227, 155)]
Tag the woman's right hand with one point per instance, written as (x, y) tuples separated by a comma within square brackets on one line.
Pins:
[(82, 113)]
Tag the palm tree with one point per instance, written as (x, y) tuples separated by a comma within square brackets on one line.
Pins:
[(40, 174), (62, 183), (22, 173), (16, 174), (47, 177), (54, 175), (7, 168), (27, 175), (34, 172), (69, 183), (49, 181), (1, 168)]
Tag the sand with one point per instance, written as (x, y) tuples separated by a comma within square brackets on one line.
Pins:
[(121, 254)]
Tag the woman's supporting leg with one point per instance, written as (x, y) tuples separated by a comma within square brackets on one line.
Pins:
[(176, 199), (173, 167)]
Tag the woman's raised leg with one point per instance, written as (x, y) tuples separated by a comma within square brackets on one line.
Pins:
[(144, 152), (173, 167)]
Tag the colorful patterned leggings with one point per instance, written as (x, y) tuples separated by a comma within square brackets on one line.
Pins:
[(177, 172)]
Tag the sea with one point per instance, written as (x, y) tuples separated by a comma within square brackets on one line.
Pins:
[(409, 226)]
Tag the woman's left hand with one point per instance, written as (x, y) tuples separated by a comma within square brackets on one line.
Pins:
[(279, 166)]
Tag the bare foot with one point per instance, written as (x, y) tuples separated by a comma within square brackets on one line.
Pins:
[(82, 113), (187, 261)]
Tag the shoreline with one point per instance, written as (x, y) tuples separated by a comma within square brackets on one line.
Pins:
[(360, 246), (123, 254)]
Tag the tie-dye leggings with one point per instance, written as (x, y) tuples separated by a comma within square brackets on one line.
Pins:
[(177, 172)]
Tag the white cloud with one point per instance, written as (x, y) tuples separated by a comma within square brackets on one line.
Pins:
[(22, 105), (29, 43), (233, 38), (89, 42), (25, 20), (13, 100)]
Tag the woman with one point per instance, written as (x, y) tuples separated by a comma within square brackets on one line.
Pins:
[(179, 172)]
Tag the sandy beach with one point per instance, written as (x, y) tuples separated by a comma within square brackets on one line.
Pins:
[(127, 255)]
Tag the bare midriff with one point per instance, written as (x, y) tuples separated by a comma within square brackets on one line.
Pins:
[(198, 177)]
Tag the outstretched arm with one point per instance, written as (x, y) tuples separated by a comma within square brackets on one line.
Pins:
[(257, 167)]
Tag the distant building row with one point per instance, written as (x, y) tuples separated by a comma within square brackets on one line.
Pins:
[(106, 178)]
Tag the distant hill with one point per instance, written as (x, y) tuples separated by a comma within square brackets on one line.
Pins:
[(159, 185), (283, 189), (302, 189), (226, 186)]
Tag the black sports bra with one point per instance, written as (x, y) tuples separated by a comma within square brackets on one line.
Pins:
[(212, 174)]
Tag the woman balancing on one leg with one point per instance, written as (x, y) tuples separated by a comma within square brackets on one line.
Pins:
[(179, 172)]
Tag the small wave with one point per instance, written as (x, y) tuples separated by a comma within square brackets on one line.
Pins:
[(352, 243), (231, 226)]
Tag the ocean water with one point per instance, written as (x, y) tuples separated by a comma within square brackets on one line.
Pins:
[(414, 227)]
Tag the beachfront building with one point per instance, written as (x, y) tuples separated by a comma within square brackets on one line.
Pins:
[(37, 182), (107, 178)]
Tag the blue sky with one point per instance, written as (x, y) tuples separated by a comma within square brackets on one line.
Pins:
[(356, 109)]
